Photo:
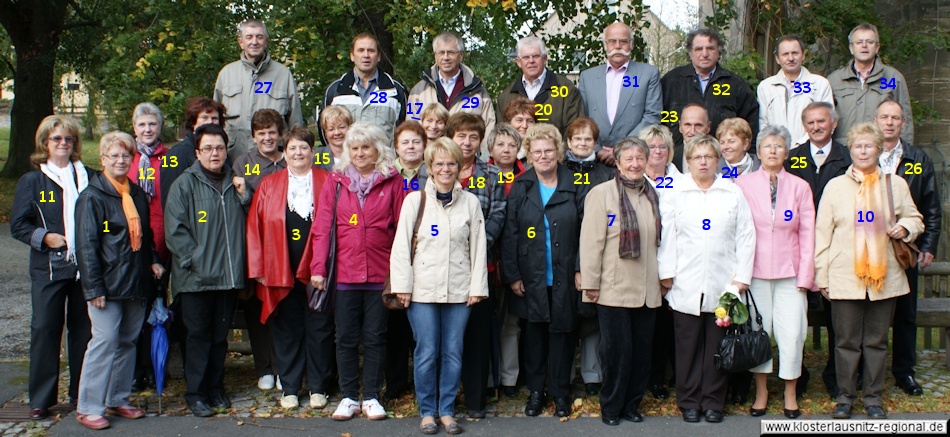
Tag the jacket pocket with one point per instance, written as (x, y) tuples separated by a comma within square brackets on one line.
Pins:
[(280, 102), (232, 99), (57, 259)]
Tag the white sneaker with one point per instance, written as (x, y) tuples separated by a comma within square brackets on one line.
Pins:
[(279, 387), (266, 382), (347, 409), (373, 410), (318, 400), (289, 401)]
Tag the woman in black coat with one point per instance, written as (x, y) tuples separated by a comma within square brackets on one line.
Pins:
[(544, 216)]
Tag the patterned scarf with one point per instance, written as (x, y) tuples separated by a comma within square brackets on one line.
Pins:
[(359, 184), (128, 209), (870, 233), (145, 163), (300, 194), (629, 228)]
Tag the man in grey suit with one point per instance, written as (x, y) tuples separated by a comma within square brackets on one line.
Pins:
[(621, 96)]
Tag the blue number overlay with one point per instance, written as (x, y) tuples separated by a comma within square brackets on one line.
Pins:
[(417, 113), (377, 97), (260, 87), (730, 172), (865, 216), (667, 180), (885, 84), (470, 102), (611, 217), (706, 224), (406, 186), (788, 215), (627, 82), (435, 230), (802, 87)]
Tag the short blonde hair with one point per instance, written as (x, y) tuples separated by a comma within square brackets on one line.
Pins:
[(543, 131), (364, 133), (658, 131), (700, 141), (863, 129), (116, 138), (335, 113), (445, 146), (41, 153), (436, 110), (736, 126)]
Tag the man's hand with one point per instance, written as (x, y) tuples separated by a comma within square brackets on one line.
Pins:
[(517, 288), (593, 295), (924, 259), (404, 299), (606, 155), (99, 302)]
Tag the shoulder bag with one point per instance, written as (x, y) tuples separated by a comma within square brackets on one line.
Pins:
[(906, 253), (744, 348), (389, 299), (321, 301)]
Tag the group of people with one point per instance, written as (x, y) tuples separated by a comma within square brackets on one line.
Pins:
[(425, 212)]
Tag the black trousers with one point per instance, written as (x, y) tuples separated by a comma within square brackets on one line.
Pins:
[(663, 342), (904, 340), (55, 303), (207, 315), (829, 375), (476, 354), (261, 346), (626, 337), (303, 343), (699, 385), (548, 355), (360, 314), (143, 349), (398, 352)]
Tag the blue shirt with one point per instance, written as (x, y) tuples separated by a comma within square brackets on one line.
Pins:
[(546, 194)]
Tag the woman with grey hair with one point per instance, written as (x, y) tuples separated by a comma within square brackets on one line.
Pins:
[(621, 232), (365, 190), (783, 271)]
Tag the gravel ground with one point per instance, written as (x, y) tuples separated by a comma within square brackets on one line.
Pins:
[(14, 296)]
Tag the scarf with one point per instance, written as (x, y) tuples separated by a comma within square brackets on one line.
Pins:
[(742, 166), (300, 195), (128, 209), (64, 178), (870, 236), (445, 198), (359, 184), (146, 183), (629, 228)]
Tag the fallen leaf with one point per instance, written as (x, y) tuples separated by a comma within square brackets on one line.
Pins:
[(240, 423), (578, 402), (563, 419)]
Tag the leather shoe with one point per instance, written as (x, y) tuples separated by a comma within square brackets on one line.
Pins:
[(535, 404), (713, 416), (592, 389), (39, 413), (756, 412), (691, 415), (793, 414), (128, 412), (562, 407), (841, 411), (509, 391), (100, 423), (476, 414), (220, 401), (201, 409), (612, 421), (633, 417), (910, 386), (876, 412), (659, 391)]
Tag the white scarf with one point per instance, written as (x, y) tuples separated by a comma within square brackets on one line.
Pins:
[(300, 194), (64, 178)]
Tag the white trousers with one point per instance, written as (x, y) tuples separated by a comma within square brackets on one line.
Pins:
[(785, 317)]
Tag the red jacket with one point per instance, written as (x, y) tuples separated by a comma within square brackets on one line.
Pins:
[(364, 235), (155, 214), (268, 256)]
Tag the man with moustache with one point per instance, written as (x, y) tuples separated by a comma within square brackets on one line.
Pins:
[(783, 97), (912, 164), (622, 96), (723, 93)]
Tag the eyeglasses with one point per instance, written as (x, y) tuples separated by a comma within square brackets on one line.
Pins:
[(442, 53), (864, 42), (58, 139), (622, 42), (212, 149), (533, 57), (703, 158), (864, 146), (540, 153), (772, 146), (441, 165), (661, 147), (582, 139), (118, 157)]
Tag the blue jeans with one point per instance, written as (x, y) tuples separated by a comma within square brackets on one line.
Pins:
[(438, 329)]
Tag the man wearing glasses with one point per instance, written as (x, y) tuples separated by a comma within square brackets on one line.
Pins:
[(557, 100), (452, 84), (621, 96), (861, 85)]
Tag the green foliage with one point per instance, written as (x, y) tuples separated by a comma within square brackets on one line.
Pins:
[(583, 48)]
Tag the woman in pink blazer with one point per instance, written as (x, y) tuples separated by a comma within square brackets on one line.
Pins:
[(784, 267)]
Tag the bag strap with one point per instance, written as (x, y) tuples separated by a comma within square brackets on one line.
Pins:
[(890, 198), (758, 315), (415, 227)]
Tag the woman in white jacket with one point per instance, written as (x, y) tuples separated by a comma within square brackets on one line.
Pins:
[(442, 275), (708, 242)]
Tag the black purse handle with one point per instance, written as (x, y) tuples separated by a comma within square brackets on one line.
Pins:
[(758, 315)]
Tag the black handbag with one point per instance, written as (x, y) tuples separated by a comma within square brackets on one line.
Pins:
[(744, 348), (321, 301)]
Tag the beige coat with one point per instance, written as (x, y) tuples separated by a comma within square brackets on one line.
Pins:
[(450, 263), (625, 283), (834, 238), (473, 99)]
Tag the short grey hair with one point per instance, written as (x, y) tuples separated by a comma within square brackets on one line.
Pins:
[(449, 37), (773, 130), (251, 23), (530, 41), (630, 143), (362, 133), (817, 105), (864, 26), (503, 129), (148, 108)]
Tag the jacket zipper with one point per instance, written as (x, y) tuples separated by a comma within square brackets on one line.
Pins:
[(43, 218), (227, 232)]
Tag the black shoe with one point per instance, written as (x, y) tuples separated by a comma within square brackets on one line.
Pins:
[(535, 404), (592, 389), (612, 421), (562, 407), (833, 391), (220, 401), (713, 416), (691, 415), (876, 412), (910, 386), (633, 417), (72, 402), (793, 414), (755, 412), (476, 414), (841, 411), (659, 391), (201, 409), (739, 398), (39, 413), (509, 391)]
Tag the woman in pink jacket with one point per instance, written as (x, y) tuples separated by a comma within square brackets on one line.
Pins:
[(784, 267), (368, 202)]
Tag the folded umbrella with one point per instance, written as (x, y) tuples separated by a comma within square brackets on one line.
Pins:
[(159, 348)]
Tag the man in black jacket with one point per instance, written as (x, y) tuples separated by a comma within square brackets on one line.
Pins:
[(818, 161), (915, 167), (723, 93)]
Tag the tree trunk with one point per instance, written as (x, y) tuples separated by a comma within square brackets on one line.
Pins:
[(372, 19)]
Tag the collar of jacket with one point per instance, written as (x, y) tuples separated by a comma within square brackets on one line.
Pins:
[(689, 71), (763, 174), (565, 183), (911, 152), (383, 81), (469, 81), (877, 70), (518, 168), (338, 176), (838, 151), (99, 182), (195, 170), (718, 184), (430, 191), (248, 64), (779, 78), (550, 79), (580, 166)]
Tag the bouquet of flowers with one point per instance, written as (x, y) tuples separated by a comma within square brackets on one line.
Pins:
[(731, 309)]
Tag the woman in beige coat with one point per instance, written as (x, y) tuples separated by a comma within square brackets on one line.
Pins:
[(618, 250), (442, 275), (855, 265)]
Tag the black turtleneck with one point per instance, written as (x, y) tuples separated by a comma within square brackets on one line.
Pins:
[(217, 178), (443, 197)]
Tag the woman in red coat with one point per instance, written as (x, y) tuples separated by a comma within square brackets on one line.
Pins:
[(367, 210), (278, 255)]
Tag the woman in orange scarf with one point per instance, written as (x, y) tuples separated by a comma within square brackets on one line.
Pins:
[(855, 265)]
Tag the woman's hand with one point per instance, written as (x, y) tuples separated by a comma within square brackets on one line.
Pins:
[(824, 292), (517, 288), (897, 232), (99, 302), (472, 300), (667, 284), (803, 289), (54, 240), (259, 280), (158, 270), (577, 280), (593, 295), (239, 185), (741, 286), (404, 299), (318, 282)]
